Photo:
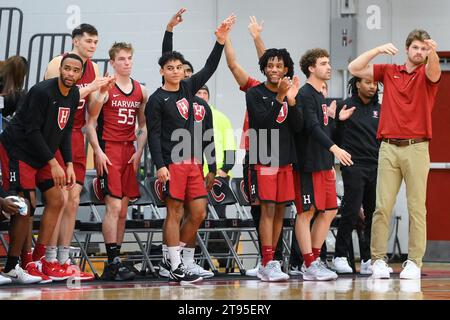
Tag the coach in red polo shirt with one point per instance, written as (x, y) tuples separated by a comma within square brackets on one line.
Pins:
[(405, 129)]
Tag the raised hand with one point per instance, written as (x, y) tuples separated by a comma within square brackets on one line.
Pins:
[(176, 19), (254, 27), (345, 113), (388, 48), (432, 45), (224, 29), (293, 90)]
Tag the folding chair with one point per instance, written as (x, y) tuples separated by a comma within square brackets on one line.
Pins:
[(132, 226), (237, 185), (14, 22), (155, 188), (222, 194)]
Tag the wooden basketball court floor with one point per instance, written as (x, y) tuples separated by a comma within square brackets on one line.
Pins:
[(434, 285)]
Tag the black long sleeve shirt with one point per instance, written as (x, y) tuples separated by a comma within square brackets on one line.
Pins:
[(266, 117), (314, 142), (42, 125), (357, 135), (167, 111)]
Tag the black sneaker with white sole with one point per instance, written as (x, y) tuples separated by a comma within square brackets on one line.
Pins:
[(182, 275), (164, 267), (117, 271)]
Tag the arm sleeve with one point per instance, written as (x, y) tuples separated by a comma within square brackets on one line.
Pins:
[(66, 146), (167, 44), (12, 102), (264, 118), (66, 143), (229, 145), (229, 158), (312, 124), (339, 132), (251, 82), (37, 114), (210, 157), (153, 120), (295, 117), (200, 78), (379, 71)]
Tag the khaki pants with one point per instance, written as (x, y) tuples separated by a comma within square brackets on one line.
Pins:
[(411, 163)]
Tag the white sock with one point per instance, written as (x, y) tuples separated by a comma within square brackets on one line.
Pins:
[(188, 255), (50, 253), (174, 256), (63, 254), (165, 251)]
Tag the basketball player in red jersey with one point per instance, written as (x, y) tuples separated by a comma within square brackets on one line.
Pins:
[(85, 39), (116, 160)]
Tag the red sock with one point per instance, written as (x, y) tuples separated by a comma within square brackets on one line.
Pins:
[(273, 253), (308, 258), (38, 252), (316, 253), (26, 258), (266, 254)]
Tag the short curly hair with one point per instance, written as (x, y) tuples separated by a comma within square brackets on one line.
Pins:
[(281, 54), (310, 59)]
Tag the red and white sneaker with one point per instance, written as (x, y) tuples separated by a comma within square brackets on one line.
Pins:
[(35, 269), (75, 272), (54, 270)]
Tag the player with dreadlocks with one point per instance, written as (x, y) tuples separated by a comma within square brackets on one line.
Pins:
[(357, 135)]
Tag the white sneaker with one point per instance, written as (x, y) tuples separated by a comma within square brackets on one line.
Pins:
[(18, 275), (4, 280), (294, 271), (318, 271), (253, 272), (366, 267), (410, 270), (198, 270), (303, 268), (340, 265), (272, 272), (380, 270)]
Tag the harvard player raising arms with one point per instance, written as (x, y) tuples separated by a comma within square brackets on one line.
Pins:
[(116, 160)]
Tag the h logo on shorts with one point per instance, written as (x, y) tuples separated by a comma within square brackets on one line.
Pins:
[(63, 117), (12, 176), (306, 199)]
